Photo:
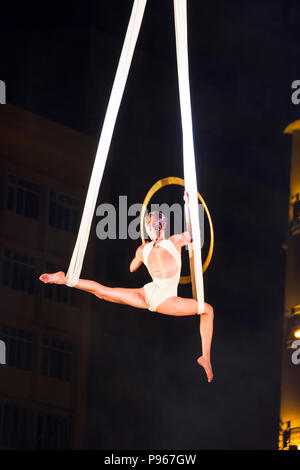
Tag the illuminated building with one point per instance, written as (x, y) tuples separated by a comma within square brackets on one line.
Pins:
[(289, 437)]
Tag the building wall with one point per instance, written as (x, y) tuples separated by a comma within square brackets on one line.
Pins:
[(45, 328), (290, 380)]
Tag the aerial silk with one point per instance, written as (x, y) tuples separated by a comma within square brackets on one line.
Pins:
[(192, 215), (105, 140), (189, 167)]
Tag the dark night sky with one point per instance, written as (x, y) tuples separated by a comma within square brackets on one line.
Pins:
[(145, 390)]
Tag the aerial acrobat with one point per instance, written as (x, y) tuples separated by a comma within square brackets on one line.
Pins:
[(162, 257)]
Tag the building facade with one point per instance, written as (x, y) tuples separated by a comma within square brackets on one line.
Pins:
[(43, 328), (289, 437)]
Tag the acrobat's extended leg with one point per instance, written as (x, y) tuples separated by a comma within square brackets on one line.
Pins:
[(129, 296), (178, 306)]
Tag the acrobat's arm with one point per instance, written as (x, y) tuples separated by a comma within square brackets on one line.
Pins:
[(182, 239), (137, 260), (187, 236)]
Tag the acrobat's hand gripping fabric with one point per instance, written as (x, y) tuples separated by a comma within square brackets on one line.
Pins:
[(105, 139), (190, 180)]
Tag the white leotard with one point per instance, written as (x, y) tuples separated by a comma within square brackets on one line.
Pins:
[(160, 289)]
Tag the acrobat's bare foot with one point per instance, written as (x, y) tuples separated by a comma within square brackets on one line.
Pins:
[(206, 366), (54, 278)]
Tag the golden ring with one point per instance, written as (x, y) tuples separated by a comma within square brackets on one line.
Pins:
[(175, 180)]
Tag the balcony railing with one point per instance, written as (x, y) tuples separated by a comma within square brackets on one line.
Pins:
[(295, 223), (292, 326), (289, 437)]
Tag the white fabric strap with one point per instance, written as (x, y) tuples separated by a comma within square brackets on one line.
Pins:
[(180, 13), (105, 140)]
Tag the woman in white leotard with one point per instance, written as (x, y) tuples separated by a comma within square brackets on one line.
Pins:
[(160, 288), (162, 257)]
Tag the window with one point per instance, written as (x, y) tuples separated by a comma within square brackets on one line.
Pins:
[(63, 212), (13, 426), (23, 197), (57, 292), (296, 210), (53, 432), (295, 222), (19, 346), (56, 359), (19, 271)]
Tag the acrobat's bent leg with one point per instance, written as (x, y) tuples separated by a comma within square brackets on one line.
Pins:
[(181, 306), (206, 333), (206, 329)]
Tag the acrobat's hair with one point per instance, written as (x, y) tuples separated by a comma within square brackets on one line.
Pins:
[(158, 221)]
